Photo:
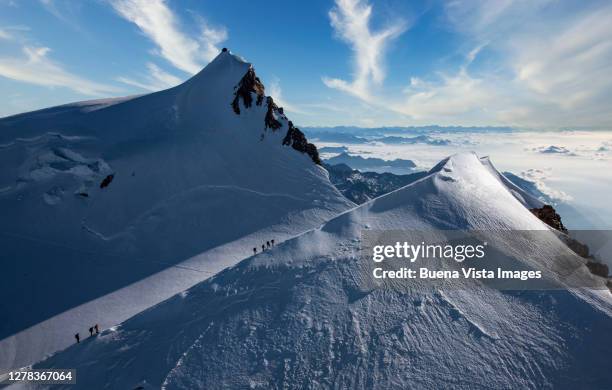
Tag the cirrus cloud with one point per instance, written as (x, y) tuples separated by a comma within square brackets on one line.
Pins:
[(157, 22), (156, 80), (351, 22), (547, 65), (35, 67)]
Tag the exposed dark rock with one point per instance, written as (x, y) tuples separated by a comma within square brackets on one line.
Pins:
[(598, 269), (582, 250), (548, 215), (250, 83), (107, 180), (579, 248), (297, 140), (271, 121)]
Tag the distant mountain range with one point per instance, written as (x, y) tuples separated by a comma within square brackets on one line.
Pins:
[(371, 163), (361, 187), (346, 138), (407, 130)]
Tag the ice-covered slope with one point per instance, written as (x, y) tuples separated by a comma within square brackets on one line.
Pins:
[(521, 195), (307, 314), (111, 206)]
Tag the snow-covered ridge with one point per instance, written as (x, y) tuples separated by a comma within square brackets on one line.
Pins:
[(109, 207), (306, 312)]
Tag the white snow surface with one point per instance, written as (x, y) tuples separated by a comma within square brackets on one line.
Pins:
[(525, 198), (306, 314), (195, 188)]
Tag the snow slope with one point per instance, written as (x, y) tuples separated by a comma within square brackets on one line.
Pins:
[(521, 195), (111, 206), (306, 314)]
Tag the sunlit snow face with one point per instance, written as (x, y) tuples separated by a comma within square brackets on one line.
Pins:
[(574, 167)]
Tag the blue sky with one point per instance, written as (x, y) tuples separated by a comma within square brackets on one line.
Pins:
[(347, 62)]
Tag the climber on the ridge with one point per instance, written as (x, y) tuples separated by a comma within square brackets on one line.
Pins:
[(255, 250), (263, 247), (272, 242), (90, 331), (78, 338), (97, 329), (268, 244), (224, 50)]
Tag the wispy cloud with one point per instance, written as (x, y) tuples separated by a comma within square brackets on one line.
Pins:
[(158, 22), (35, 67), (351, 22), (547, 65), (65, 11), (557, 59), (12, 32), (571, 65), (156, 80), (450, 97), (277, 93)]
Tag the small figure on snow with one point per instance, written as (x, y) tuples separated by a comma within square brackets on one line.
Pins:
[(268, 244), (255, 250), (90, 331), (272, 242), (97, 329), (78, 338)]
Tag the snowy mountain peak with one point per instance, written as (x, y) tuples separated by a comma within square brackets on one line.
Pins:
[(225, 61), (308, 310), (144, 185), (460, 192), (230, 84), (477, 180)]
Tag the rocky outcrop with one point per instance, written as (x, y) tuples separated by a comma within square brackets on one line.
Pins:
[(250, 83), (598, 269), (297, 140), (107, 180), (595, 267), (548, 215), (270, 120), (579, 248)]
